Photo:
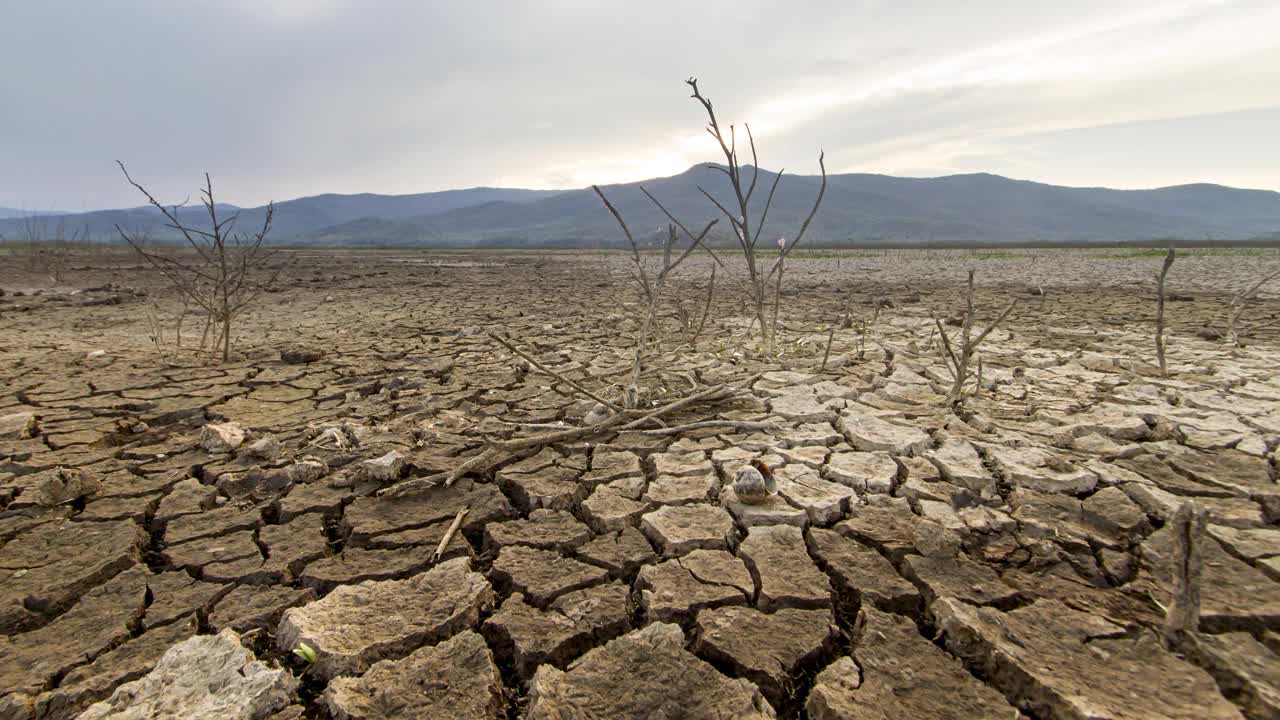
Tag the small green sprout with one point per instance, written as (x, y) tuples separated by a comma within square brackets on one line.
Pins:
[(307, 653)]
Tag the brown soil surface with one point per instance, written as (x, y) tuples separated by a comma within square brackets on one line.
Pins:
[(1006, 559)]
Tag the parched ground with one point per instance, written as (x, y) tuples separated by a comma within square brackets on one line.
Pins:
[(1010, 559)]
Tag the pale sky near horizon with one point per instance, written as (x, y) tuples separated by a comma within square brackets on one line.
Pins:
[(279, 99)]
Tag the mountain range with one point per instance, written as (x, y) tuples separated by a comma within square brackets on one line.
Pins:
[(859, 209)]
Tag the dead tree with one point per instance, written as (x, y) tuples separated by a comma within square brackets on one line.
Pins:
[(747, 230), (1238, 305), (758, 278), (1182, 618), (228, 270), (1164, 272), (651, 287), (960, 352)]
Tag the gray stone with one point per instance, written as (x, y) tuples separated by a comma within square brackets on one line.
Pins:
[(869, 433), (455, 679), (221, 437), (765, 649), (207, 676), (677, 529), (780, 563), (868, 472), (357, 625), (673, 684), (1058, 662), (543, 575), (900, 674), (675, 589)]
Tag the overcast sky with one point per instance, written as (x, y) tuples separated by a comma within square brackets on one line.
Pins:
[(284, 98)]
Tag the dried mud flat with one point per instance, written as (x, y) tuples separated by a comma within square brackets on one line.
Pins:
[(1011, 560)]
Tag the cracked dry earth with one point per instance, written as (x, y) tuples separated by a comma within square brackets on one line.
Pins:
[(1010, 560)]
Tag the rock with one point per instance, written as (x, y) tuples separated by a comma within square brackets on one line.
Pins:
[(862, 574), (212, 523), (545, 529), (575, 622), (677, 529), (221, 437), (367, 517), (673, 684), (1234, 596), (900, 674), (824, 502), (687, 463), (765, 649), (1250, 544), (867, 472), (354, 565), (290, 546), (869, 433), (176, 595), (1054, 661), (771, 510), (90, 683), (621, 553), (959, 463), (1111, 510), (249, 606), (385, 468), (675, 589), (543, 575), (63, 485), (357, 625), (100, 620), (890, 529), (204, 676), (935, 541), (1041, 471), (46, 569), (786, 575), (609, 510), (801, 408), (306, 470), (456, 679), (958, 577), (196, 554), (187, 497), (681, 489), (300, 354), (1246, 671), (264, 448), (312, 498)]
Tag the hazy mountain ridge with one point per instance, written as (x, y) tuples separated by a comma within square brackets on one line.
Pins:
[(857, 208)]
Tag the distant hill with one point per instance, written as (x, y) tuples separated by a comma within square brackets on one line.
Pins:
[(294, 221), (858, 209), (7, 213)]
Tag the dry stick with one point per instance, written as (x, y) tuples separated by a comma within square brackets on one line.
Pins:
[(733, 424), (1164, 271), (1183, 616), (777, 302), (499, 453), (827, 354), (448, 535), (553, 373), (1238, 305)]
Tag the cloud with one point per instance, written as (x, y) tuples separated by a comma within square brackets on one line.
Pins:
[(284, 98)]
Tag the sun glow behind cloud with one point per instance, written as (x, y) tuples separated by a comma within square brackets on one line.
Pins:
[(1098, 57)]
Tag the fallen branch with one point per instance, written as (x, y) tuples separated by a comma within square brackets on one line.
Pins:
[(1182, 619), (448, 535), (500, 452), (731, 424), (553, 373)]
